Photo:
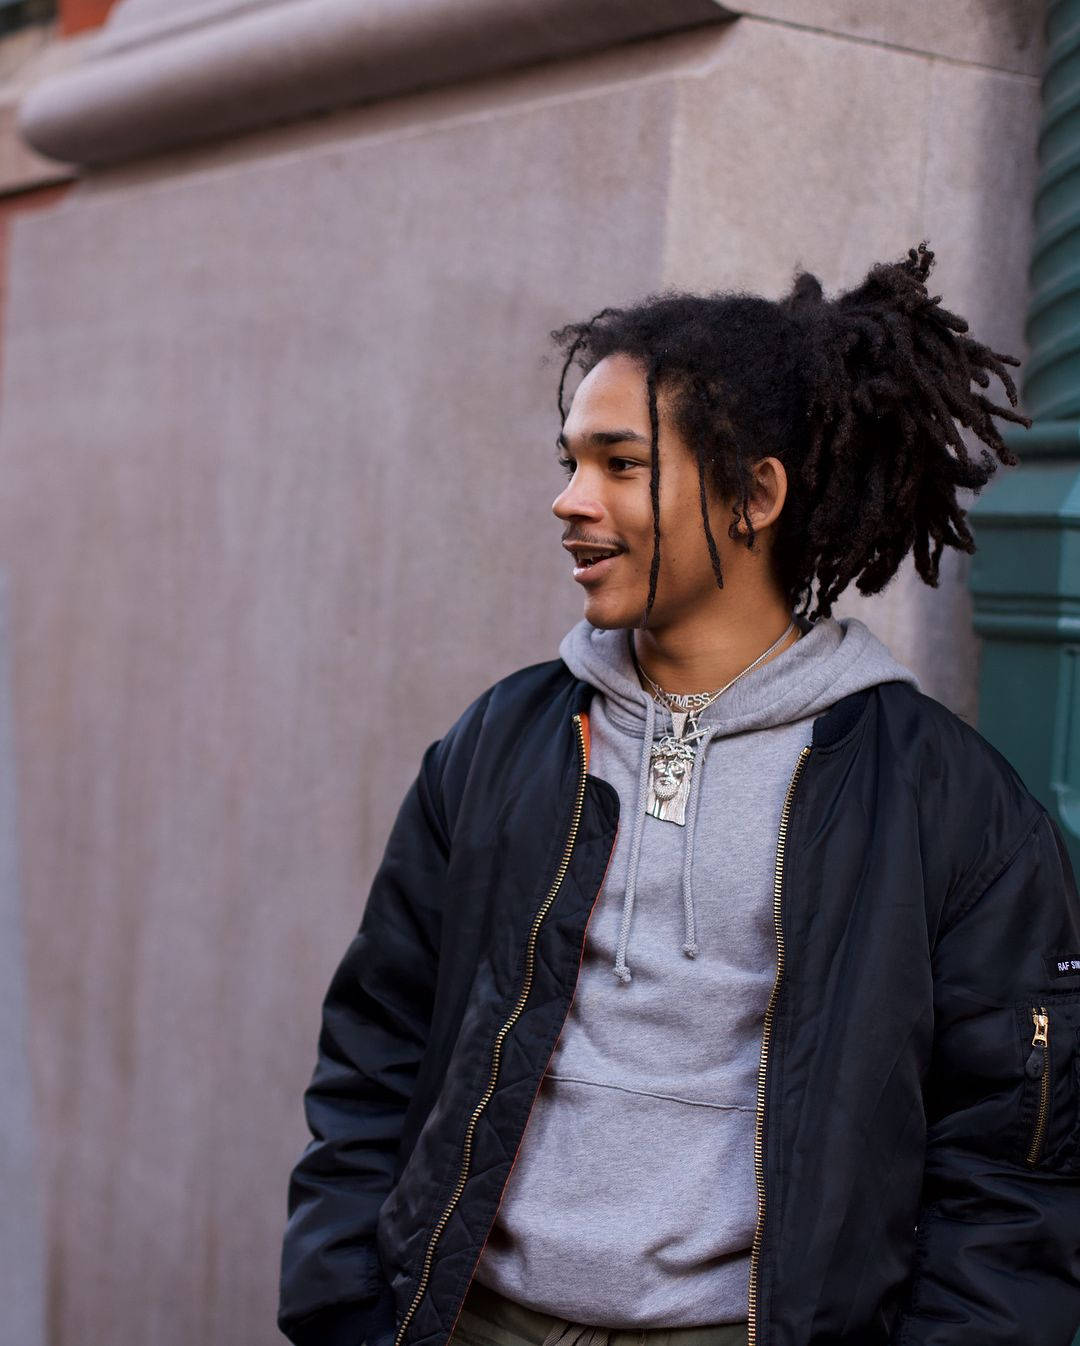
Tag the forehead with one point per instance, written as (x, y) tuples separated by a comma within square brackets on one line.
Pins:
[(612, 392)]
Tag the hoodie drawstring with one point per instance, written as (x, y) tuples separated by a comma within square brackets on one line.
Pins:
[(621, 970), (690, 948)]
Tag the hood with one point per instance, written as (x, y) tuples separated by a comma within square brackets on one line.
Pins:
[(833, 658)]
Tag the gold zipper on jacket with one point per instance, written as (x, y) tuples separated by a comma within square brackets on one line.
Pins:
[(1039, 1065), (759, 1122), (523, 995)]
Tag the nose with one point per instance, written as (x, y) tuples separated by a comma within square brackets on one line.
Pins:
[(574, 502)]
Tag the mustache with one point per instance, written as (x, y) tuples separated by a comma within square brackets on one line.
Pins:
[(605, 543)]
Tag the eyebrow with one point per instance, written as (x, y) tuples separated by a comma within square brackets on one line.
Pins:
[(602, 437)]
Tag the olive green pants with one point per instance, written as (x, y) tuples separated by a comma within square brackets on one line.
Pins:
[(489, 1319)]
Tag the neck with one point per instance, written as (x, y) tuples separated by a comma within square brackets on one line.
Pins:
[(699, 657)]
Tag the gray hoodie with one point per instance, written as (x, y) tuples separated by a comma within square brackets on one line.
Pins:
[(632, 1202)]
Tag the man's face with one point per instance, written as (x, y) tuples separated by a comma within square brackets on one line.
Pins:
[(606, 506), (667, 777)]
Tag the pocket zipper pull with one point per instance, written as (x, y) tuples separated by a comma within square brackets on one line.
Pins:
[(1036, 1061)]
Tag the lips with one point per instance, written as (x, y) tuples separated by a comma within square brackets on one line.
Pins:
[(593, 568)]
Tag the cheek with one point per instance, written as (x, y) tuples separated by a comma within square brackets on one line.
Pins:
[(633, 521), (684, 554), (680, 507)]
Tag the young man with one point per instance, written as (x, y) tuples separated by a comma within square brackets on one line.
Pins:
[(716, 983)]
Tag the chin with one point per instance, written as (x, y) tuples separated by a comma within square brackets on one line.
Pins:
[(610, 616)]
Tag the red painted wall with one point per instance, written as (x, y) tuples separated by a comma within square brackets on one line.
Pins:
[(75, 15)]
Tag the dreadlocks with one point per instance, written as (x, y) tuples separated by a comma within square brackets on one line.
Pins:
[(857, 396)]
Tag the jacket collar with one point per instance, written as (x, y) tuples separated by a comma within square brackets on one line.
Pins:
[(840, 718)]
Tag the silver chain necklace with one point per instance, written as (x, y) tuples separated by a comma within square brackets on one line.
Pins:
[(672, 757)]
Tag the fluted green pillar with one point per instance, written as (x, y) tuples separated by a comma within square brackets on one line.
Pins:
[(1025, 574)]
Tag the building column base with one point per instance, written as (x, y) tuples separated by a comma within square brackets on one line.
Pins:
[(1025, 582)]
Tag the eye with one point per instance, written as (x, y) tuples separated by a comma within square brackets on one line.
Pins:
[(618, 465)]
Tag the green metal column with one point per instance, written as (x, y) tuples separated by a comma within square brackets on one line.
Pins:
[(1025, 575)]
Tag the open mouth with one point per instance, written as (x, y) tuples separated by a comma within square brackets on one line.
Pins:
[(589, 569)]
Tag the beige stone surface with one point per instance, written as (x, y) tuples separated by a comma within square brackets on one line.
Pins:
[(28, 56), (275, 480), (1003, 34), (788, 156), (134, 21), (1006, 34), (161, 76), (259, 65), (20, 168), (22, 1245)]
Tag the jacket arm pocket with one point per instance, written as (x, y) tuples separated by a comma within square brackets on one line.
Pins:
[(375, 1026), (998, 1248)]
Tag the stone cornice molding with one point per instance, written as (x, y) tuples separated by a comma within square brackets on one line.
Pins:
[(161, 77)]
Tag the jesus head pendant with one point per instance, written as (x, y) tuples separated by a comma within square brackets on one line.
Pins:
[(671, 765)]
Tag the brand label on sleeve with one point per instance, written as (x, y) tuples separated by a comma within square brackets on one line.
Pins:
[(1064, 965)]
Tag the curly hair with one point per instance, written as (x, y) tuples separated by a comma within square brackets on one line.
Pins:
[(857, 396)]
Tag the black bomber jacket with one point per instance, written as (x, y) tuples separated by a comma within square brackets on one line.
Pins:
[(917, 1148)]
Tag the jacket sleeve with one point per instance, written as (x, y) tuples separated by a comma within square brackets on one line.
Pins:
[(375, 1022), (998, 1236)]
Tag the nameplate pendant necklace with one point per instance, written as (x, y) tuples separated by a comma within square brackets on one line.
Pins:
[(673, 756)]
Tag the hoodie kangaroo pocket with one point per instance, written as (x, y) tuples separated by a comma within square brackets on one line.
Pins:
[(1049, 1025)]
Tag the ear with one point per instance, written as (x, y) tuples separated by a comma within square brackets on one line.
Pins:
[(768, 492)]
